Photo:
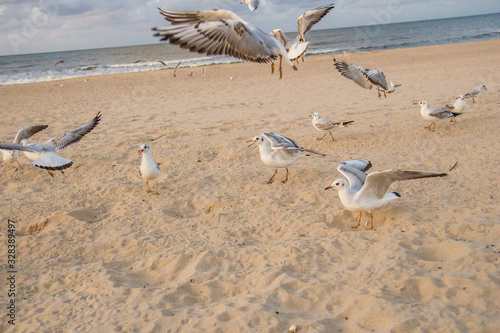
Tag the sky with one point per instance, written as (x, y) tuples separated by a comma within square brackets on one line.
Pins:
[(32, 26)]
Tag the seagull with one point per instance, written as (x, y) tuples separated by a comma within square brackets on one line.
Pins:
[(221, 32), (149, 62), (366, 193), (475, 92), (327, 125), (10, 156), (59, 62), (252, 4), (433, 113), (457, 106), (44, 155), (366, 78), (278, 151), (297, 46), (174, 71), (149, 169)]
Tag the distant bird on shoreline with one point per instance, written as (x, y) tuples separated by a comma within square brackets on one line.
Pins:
[(475, 93), (149, 62), (149, 169), (59, 62), (44, 155), (221, 32), (366, 193), (252, 4), (296, 47), (366, 78), (433, 114), (11, 156), (326, 125)]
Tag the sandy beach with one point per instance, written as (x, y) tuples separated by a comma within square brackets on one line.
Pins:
[(219, 250)]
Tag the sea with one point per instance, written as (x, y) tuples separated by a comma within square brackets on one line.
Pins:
[(39, 67)]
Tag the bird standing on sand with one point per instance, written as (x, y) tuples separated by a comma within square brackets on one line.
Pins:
[(149, 169), (366, 193), (326, 125), (221, 32), (433, 113), (475, 93), (297, 47), (457, 106), (44, 155), (278, 151), (366, 78), (10, 156)]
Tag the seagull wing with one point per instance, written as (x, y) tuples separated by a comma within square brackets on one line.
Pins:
[(325, 124), (216, 32), (73, 136), (33, 148), (377, 183), (278, 33), (306, 21), (353, 72), (376, 77), (28, 132), (354, 171), (278, 141)]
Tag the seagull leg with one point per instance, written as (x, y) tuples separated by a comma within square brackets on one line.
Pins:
[(331, 135), (286, 178), (157, 193), (50, 173), (429, 127), (271, 179), (147, 185), (13, 167), (473, 100), (281, 70), (272, 68), (359, 221), (371, 222), (19, 165), (321, 137), (385, 95), (379, 94)]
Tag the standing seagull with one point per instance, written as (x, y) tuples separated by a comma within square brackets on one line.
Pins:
[(221, 32), (278, 151), (252, 4), (457, 106), (475, 92), (149, 169), (327, 125), (366, 78), (10, 156), (297, 46), (433, 113), (44, 155), (366, 193)]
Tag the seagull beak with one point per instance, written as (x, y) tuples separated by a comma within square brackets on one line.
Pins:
[(328, 188), (140, 151), (252, 142), (416, 102)]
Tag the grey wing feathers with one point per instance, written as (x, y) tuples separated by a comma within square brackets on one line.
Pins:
[(354, 73), (376, 77), (75, 135), (17, 146), (354, 171), (28, 132), (310, 18), (278, 141)]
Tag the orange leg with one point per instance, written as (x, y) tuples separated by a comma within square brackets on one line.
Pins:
[(271, 179)]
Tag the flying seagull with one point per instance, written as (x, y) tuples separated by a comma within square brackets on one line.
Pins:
[(149, 62), (366, 78), (297, 47), (252, 4), (366, 193), (278, 151), (221, 32), (10, 156), (44, 155)]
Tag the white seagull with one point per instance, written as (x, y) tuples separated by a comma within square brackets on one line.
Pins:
[(297, 47), (366, 78), (221, 32), (457, 106), (278, 151), (475, 92), (366, 193), (149, 169), (252, 4), (433, 113), (149, 63), (10, 156), (326, 125), (44, 155)]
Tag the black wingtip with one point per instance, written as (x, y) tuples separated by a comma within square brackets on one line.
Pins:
[(397, 194)]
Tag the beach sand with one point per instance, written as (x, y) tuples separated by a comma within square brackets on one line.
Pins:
[(219, 250)]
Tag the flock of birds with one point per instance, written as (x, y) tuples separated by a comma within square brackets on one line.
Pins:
[(221, 32)]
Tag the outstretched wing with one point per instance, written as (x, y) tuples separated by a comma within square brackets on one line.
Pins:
[(306, 21), (28, 132), (354, 171), (215, 32), (376, 77), (278, 141), (73, 136), (34, 148), (377, 183), (353, 72)]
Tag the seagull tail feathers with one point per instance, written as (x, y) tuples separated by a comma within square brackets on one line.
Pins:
[(53, 162)]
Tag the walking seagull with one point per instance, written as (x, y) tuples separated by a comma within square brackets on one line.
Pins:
[(10, 156), (149, 169), (457, 106), (44, 155), (297, 47), (366, 193), (221, 32), (433, 113), (326, 125), (366, 78), (475, 92), (278, 151)]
